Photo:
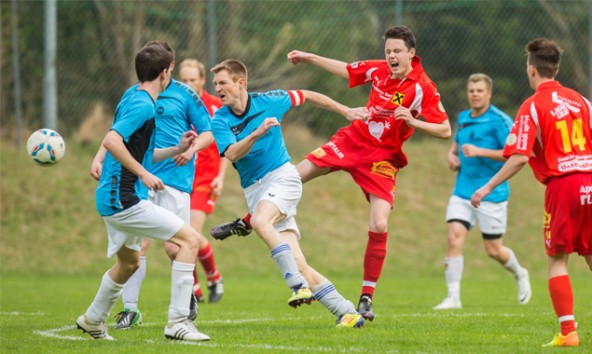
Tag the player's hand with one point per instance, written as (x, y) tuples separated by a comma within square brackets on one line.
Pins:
[(480, 194), (404, 114), (453, 162), (359, 113), (265, 126), (470, 150), (183, 158), (186, 140), (297, 56), (217, 185), (151, 181), (95, 169)]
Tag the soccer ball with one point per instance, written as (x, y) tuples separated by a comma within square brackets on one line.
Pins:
[(46, 147)]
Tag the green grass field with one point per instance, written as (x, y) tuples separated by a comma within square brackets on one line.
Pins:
[(52, 255)]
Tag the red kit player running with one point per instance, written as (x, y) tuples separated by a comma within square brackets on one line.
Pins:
[(552, 132)]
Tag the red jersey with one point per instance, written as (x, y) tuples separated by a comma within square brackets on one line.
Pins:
[(209, 155), (416, 92), (553, 127)]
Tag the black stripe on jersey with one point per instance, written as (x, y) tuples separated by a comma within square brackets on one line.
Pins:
[(237, 129), (137, 145)]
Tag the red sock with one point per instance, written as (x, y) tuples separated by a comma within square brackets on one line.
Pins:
[(562, 298), (247, 219), (206, 258), (373, 260)]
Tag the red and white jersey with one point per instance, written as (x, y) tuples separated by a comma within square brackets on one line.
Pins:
[(416, 92), (208, 160), (553, 127)]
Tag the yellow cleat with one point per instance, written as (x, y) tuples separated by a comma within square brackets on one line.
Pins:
[(301, 296), (570, 340), (350, 320)]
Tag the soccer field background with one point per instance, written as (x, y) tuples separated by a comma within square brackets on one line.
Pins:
[(53, 247)]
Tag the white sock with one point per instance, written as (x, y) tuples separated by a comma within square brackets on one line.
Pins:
[(107, 295), (131, 291), (284, 258), (453, 273), (326, 294), (512, 264), (181, 288)]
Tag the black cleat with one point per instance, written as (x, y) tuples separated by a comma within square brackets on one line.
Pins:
[(237, 227)]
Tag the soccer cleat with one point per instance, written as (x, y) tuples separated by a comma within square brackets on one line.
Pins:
[(127, 319), (301, 296), (97, 331), (569, 340), (192, 308), (350, 320), (523, 285), (365, 307), (184, 330), (216, 290), (449, 303), (237, 227)]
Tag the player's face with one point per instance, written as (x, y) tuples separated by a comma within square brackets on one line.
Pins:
[(227, 89), (166, 77), (190, 76), (479, 95), (398, 57)]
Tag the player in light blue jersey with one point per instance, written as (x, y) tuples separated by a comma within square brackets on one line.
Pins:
[(178, 109), (476, 155), (125, 178), (247, 131)]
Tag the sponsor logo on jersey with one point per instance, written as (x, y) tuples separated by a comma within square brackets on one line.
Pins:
[(397, 98), (319, 153), (384, 169), (336, 149)]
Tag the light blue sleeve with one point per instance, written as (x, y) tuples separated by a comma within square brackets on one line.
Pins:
[(222, 133), (198, 115), (131, 118)]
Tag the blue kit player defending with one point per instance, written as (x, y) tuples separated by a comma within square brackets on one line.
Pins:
[(121, 199), (178, 109), (476, 154), (247, 131)]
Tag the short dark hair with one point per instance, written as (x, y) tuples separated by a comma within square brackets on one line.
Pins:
[(401, 32), (151, 60), (545, 55), (165, 45), (235, 68)]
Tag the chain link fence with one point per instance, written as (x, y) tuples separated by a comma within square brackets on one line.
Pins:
[(97, 40)]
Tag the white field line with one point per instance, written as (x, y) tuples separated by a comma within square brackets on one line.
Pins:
[(16, 313)]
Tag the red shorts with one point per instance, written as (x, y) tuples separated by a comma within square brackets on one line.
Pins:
[(568, 214), (207, 166), (372, 167)]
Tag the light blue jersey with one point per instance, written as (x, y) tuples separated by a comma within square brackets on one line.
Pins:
[(488, 131), (118, 188), (178, 108), (269, 152)]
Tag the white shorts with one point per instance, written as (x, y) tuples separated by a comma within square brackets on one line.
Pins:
[(492, 217), (145, 219), (282, 187), (173, 200)]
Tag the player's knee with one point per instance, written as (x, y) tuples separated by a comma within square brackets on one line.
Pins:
[(379, 227), (258, 224)]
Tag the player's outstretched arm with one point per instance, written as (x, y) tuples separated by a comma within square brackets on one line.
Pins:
[(326, 102), (333, 66)]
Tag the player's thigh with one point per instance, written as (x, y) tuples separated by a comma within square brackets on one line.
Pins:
[(492, 218)]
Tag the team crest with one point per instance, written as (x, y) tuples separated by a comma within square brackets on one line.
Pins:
[(384, 169), (511, 139), (397, 98)]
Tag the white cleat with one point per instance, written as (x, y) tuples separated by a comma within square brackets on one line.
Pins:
[(97, 331), (449, 303), (523, 285), (184, 330)]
